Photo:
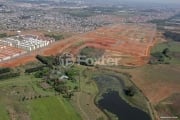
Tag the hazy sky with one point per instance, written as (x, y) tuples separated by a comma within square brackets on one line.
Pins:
[(158, 1), (144, 1)]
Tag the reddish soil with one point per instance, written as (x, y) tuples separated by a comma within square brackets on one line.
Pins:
[(125, 39), (18, 61)]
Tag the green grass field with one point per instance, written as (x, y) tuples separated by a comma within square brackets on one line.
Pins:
[(174, 48), (52, 108), (45, 108), (162, 73), (83, 101), (58, 108), (3, 113), (158, 81)]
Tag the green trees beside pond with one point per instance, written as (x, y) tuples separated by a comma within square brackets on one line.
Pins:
[(130, 91)]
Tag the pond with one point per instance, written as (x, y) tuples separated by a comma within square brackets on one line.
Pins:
[(111, 89), (113, 103)]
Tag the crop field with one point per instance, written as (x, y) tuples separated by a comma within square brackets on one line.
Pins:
[(125, 39)]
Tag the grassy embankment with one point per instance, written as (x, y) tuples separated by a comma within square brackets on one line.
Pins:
[(20, 100)]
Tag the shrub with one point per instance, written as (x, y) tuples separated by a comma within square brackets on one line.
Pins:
[(4, 70), (9, 75), (130, 91)]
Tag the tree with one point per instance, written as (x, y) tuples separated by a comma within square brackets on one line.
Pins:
[(23, 98), (130, 91), (157, 58), (47, 60), (38, 74), (166, 52)]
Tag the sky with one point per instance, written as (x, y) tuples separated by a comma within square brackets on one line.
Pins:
[(155, 1), (138, 1), (145, 1)]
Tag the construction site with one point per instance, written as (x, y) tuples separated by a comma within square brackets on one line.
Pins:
[(131, 42), (16, 46)]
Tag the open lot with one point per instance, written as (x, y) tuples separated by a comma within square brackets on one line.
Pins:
[(158, 81), (169, 107), (124, 39), (7, 52)]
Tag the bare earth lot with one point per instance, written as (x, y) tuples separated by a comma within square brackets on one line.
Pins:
[(124, 39)]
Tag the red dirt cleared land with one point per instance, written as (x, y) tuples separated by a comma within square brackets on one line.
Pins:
[(124, 39)]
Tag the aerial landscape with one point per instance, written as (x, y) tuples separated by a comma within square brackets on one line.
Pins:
[(89, 60)]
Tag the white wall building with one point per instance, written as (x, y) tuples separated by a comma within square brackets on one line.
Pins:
[(26, 42)]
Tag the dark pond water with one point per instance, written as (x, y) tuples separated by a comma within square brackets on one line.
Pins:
[(113, 103)]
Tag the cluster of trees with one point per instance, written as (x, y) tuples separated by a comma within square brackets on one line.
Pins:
[(71, 73), (172, 35), (38, 71), (4, 70), (41, 73), (92, 52), (160, 57), (6, 73), (81, 13), (34, 69), (62, 88), (130, 91), (89, 55), (65, 90), (9, 75), (2, 35), (52, 73), (47, 60), (55, 36), (61, 85), (51, 61), (166, 52), (24, 98)]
